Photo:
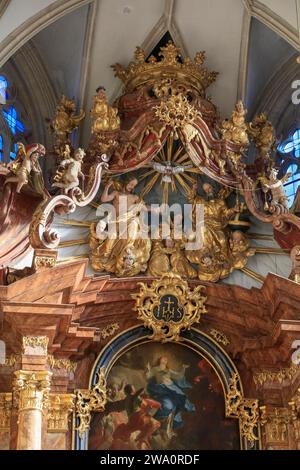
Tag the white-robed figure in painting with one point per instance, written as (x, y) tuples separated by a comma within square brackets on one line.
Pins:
[(168, 387)]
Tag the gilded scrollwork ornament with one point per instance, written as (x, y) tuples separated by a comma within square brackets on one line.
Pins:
[(88, 401), (219, 337), (176, 112), (247, 410), (275, 376), (41, 235), (109, 330), (168, 306), (35, 344)]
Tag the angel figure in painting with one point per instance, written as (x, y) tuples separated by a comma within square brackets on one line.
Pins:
[(69, 172), (124, 252), (26, 168), (274, 186), (169, 387)]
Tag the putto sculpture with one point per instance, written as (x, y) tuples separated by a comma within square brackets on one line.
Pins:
[(69, 171)]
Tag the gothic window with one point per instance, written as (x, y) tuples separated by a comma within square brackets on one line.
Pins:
[(12, 127), (290, 163)]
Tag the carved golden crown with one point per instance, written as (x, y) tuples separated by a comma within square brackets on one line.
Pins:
[(187, 72)]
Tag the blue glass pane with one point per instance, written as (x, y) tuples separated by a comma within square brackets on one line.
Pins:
[(14, 123), (3, 87), (1, 147), (13, 153), (292, 185), (291, 145), (287, 148)]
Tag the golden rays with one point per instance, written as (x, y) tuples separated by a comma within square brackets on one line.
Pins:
[(171, 168)]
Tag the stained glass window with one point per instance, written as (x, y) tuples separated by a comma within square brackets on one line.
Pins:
[(15, 124), (3, 88), (14, 151), (291, 147), (13, 121), (292, 185)]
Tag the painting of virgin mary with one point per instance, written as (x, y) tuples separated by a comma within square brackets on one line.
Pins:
[(163, 397), (169, 388)]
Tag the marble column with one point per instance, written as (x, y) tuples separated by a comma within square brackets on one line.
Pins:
[(31, 392), (31, 389)]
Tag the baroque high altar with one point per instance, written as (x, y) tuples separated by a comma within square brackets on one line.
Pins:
[(141, 344)]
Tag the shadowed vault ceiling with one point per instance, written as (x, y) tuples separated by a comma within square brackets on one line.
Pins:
[(79, 48)]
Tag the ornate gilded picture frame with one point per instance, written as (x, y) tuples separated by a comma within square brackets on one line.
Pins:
[(92, 402)]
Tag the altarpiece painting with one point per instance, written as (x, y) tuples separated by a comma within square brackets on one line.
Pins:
[(163, 397)]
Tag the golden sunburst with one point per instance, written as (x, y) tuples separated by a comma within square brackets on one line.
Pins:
[(170, 167)]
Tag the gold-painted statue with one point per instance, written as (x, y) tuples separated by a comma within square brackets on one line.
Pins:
[(104, 117), (64, 123), (168, 255), (222, 250), (235, 129), (127, 252), (263, 134)]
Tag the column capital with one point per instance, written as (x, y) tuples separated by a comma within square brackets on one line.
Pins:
[(31, 389)]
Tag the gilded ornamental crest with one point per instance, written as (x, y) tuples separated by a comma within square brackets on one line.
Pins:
[(169, 306)]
